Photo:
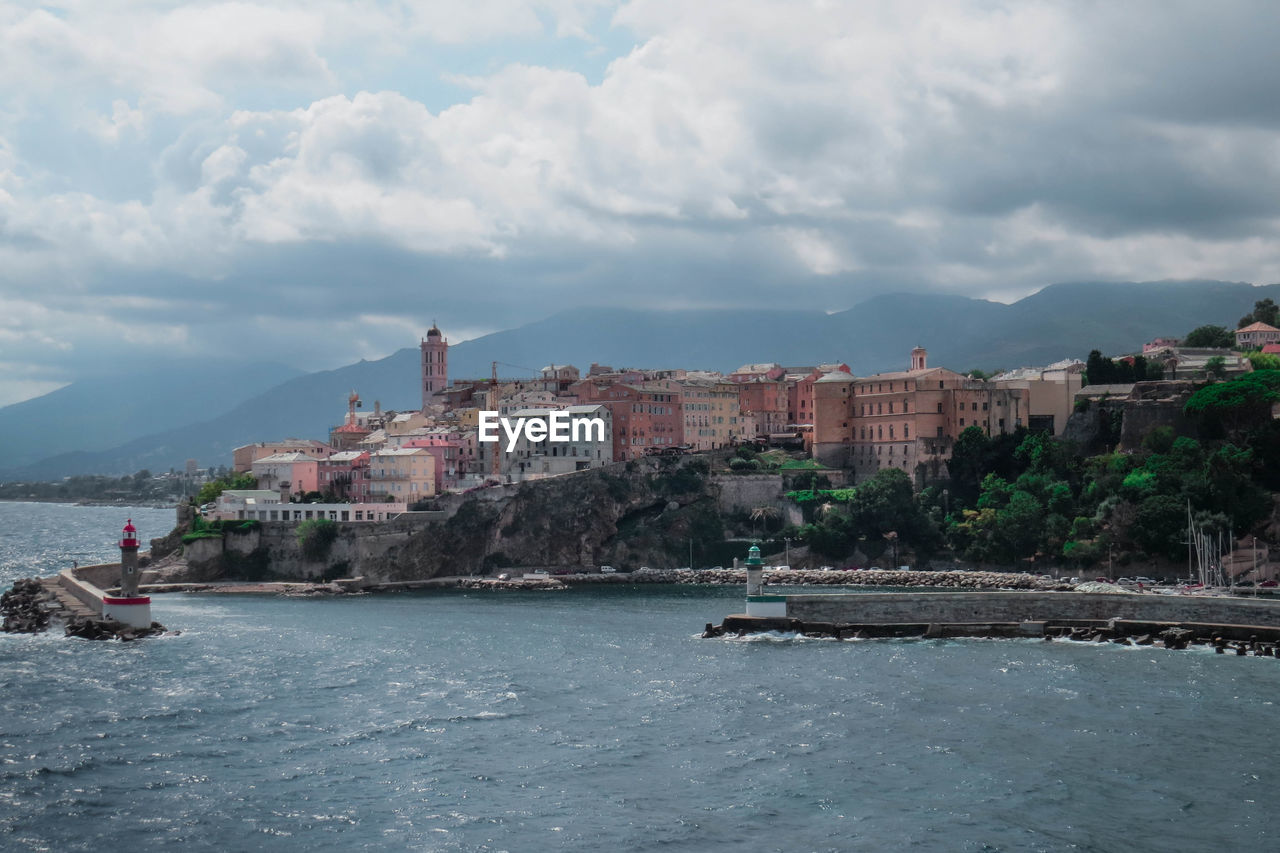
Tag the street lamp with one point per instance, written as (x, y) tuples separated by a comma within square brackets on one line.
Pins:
[(787, 544)]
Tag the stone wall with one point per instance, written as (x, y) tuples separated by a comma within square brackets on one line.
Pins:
[(947, 607), (737, 492)]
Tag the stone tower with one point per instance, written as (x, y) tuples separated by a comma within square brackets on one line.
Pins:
[(833, 419), (435, 364), (919, 359)]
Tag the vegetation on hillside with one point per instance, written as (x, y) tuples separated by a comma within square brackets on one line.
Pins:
[(1023, 496)]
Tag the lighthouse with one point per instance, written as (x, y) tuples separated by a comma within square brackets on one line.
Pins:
[(130, 608), (759, 604)]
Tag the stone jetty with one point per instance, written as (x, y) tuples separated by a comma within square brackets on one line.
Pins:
[(835, 577), (33, 606)]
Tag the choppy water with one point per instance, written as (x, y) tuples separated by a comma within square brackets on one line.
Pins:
[(596, 719)]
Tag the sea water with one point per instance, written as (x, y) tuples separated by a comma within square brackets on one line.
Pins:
[(598, 719)]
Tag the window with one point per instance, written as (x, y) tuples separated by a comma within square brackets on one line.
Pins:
[(1002, 423), (974, 406), (906, 431), (890, 430), (939, 432), (891, 407), (962, 422), (879, 408), (939, 408), (984, 407)]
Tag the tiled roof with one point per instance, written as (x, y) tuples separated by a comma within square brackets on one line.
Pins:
[(1257, 327)]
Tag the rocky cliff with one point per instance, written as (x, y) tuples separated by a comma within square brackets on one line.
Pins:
[(644, 512)]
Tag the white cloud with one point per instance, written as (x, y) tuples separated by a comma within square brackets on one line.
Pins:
[(975, 147)]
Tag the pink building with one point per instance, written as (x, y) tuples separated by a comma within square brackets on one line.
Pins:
[(345, 474), (290, 473), (643, 418), (451, 452), (242, 458)]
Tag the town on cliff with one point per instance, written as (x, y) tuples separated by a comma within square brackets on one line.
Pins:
[(1110, 466)]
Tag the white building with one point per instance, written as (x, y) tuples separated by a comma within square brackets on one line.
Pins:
[(588, 446)]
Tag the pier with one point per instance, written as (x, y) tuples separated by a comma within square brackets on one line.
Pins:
[(1176, 621)]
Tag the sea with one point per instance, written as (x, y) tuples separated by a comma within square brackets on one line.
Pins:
[(599, 719)]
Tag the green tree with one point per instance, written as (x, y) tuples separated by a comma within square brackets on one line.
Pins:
[(209, 491), (1233, 407), (1210, 336), (1216, 367), (316, 537), (1264, 311), (1098, 369)]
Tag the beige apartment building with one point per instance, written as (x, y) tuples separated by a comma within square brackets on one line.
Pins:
[(712, 418), (402, 474)]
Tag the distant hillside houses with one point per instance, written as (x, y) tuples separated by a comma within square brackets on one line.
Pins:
[(908, 419)]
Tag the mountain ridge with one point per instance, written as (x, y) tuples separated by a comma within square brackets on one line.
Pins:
[(1061, 320)]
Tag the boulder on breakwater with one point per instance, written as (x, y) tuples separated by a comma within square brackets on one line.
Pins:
[(26, 607)]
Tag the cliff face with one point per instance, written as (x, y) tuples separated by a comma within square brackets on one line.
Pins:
[(643, 512)]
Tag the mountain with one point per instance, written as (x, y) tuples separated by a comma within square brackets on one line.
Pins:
[(303, 407), (101, 413), (1060, 321)]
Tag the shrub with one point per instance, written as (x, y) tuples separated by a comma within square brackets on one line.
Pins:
[(316, 537)]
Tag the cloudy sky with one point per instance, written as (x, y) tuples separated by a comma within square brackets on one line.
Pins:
[(315, 182)]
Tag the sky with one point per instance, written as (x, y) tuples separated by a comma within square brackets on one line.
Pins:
[(314, 183)]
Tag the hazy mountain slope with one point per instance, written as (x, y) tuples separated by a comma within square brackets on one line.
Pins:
[(101, 413), (303, 407)]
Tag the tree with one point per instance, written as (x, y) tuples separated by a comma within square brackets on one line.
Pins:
[(1233, 407), (1264, 311), (1098, 369), (1210, 336), (209, 491), (1216, 367), (765, 514)]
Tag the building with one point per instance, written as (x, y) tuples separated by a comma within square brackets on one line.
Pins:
[(404, 474), (345, 475), (1160, 343), (712, 418), (800, 381), (757, 372), (243, 457), (908, 419), (267, 506), (435, 364), (643, 419), (833, 419), (1256, 336), (288, 473), (765, 401), (1049, 392), (558, 377), (349, 434), (532, 460), (453, 450)]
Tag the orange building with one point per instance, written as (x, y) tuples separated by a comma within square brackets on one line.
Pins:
[(765, 400), (644, 418), (910, 419)]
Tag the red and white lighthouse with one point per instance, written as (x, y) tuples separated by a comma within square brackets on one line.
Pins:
[(130, 608)]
